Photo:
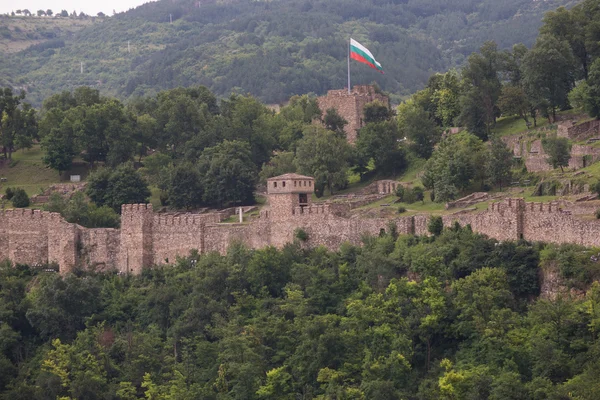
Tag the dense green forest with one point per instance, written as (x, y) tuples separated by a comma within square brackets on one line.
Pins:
[(270, 49), (296, 323), (198, 151)]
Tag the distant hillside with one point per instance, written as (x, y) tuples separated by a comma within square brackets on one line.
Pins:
[(19, 33), (270, 49)]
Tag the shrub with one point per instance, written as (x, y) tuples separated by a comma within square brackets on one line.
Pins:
[(301, 234), (9, 193), (435, 226), (418, 193), (20, 198), (598, 213), (595, 188), (401, 210), (400, 191)]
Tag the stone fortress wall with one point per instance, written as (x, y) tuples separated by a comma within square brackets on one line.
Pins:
[(145, 238), (350, 106), (581, 155)]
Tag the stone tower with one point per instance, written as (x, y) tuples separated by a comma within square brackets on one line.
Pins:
[(351, 105), (136, 237), (286, 192)]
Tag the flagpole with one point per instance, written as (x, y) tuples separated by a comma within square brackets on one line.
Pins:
[(348, 66)]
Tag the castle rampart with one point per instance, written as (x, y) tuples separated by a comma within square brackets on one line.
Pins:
[(145, 238)]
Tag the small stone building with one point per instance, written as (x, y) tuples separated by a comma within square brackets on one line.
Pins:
[(287, 192), (350, 106)]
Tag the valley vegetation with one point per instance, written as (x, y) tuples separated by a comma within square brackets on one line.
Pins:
[(312, 324)]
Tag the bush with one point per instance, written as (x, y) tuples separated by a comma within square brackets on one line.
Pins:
[(401, 210), (595, 188), (9, 193), (400, 191), (598, 213), (410, 196), (435, 226), (20, 198), (102, 217), (301, 234), (418, 193)]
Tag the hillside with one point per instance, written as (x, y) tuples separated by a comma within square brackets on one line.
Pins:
[(271, 50), (20, 33)]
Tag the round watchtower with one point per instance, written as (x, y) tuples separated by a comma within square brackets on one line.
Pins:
[(288, 191)]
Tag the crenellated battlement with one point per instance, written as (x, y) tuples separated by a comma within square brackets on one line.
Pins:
[(186, 219), (26, 213), (320, 209), (133, 208), (512, 205), (543, 207), (145, 238)]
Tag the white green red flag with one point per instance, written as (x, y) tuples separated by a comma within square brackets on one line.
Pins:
[(361, 54)]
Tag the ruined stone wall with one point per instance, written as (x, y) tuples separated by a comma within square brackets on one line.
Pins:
[(37, 237), (99, 248), (350, 106), (502, 220), (579, 131), (176, 235)]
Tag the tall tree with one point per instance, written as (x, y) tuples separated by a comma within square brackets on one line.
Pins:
[(323, 155), (379, 141), (548, 73), (18, 125), (513, 101), (122, 185), (454, 165), (229, 175), (479, 102), (416, 125), (499, 162)]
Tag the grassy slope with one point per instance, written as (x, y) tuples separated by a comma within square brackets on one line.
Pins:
[(27, 171), (18, 33)]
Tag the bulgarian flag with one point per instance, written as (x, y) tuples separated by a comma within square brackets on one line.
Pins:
[(361, 54)]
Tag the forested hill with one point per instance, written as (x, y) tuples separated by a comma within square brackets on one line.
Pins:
[(271, 50)]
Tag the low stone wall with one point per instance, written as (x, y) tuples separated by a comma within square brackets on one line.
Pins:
[(582, 131)]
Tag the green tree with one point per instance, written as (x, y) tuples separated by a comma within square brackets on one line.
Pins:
[(379, 141), (478, 297), (415, 124), (229, 175), (114, 188), (454, 165), (435, 225), (281, 163), (323, 155), (20, 198), (478, 104), (185, 189), (591, 88), (513, 101), (334, 121), (499, 162), (18, 125), (446, 90), (570, 26), (548, 73), (558, 150), (375, 112)]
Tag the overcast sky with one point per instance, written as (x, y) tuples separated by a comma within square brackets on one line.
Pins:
[(91, 7)]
